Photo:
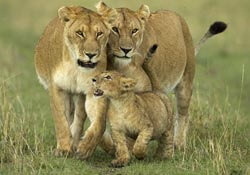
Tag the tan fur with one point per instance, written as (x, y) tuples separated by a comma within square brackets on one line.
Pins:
[(126, 66), (174, 62), (142, 116), (61, 57), (132, 69)]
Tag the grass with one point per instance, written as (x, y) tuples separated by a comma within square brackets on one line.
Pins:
[(218, 140)]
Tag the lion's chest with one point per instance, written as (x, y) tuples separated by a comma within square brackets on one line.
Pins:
[(70, 78), (130, 69)]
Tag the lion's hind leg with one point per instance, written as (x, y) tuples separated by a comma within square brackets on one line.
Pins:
[(184, 90), (183, 96)]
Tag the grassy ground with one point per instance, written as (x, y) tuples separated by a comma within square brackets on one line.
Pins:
[(219, 135)]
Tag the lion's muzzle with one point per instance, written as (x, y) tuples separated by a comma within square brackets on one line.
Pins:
[(88, 64)]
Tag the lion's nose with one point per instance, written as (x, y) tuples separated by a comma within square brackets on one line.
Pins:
[(90, 55), (125, 50)]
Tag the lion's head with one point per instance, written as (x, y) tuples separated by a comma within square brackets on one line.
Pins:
[(86, 33), (112, 84), (127, 30)]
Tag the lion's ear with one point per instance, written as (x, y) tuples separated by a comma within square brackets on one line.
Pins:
[(101, 7), (143, 12), (108, 14), (127, 84), (65, 14)]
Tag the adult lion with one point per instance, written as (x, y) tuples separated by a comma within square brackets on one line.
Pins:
[(134, 32), (70, 52)]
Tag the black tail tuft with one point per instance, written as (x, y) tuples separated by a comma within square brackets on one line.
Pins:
[(217, 27), (153, 49)]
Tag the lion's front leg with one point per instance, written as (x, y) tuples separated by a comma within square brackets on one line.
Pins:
[(96, 111), (141, 143), (58, 98), (79, 118), (107, 144), (122, 153)]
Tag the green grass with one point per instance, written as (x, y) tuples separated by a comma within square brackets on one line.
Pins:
[(219, 135)]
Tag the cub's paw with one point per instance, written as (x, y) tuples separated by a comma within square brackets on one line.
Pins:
[(84, 151), (83, 155), (165, 152), (120, 162), (140, 151), (164, 155)]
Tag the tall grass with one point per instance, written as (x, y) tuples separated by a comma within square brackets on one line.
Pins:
[(18, 135), (214, 136), (216, 144)]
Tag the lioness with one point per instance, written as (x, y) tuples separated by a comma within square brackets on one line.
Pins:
[(70, 52), (174, 63), (142, 116)]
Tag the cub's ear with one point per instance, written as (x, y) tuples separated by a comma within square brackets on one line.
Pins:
[(65, 13), (127, 84), (108, 14), (143, 12)]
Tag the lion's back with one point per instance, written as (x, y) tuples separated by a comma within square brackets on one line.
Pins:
[(171, 56), (48, 52)]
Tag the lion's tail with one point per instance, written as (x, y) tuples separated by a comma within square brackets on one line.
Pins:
[(150, 53), (216, 28), (150, 72)]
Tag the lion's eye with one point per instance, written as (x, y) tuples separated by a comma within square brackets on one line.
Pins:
[(99, 34), (115, 29), (108, 77), (79, 33), (134, 31)]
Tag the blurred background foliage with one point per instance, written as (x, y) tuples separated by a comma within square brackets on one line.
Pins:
[(220, 63)]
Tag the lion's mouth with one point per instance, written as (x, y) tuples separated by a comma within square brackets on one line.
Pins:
[(98, 92), (88, 64), (122, 57)]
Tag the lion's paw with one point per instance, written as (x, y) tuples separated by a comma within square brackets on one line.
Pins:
[(62, 153), (120, 162), (140, 151)]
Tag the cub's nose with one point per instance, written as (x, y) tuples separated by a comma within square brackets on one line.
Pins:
[(125, 50), (90, 55)]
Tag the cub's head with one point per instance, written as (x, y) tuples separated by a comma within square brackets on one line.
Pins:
[(112, 84), (127, 30), (86, 34)]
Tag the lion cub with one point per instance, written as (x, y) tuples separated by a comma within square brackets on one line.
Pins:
[(142, 116)]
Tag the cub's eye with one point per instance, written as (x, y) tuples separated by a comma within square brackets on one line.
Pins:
[(115, 29), (79, 33), (108, 77), (98, 34), (134, 31)]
